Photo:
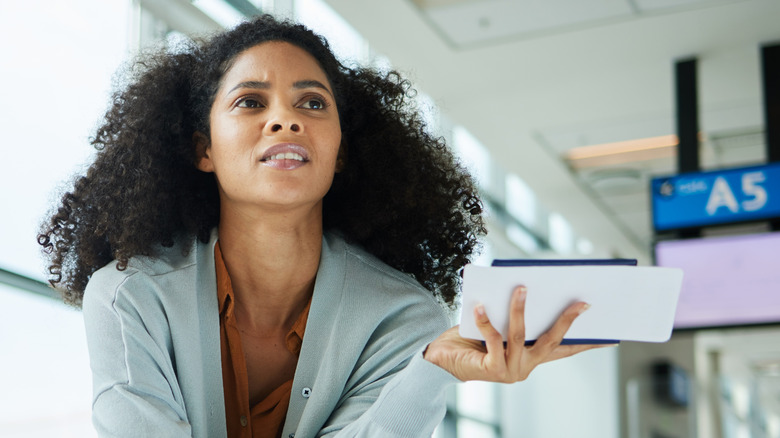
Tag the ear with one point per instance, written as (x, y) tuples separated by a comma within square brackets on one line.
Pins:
[(202, 147), (341, 158)]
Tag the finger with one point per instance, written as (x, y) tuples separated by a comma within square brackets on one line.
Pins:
[(563, 351), (553, 337), (516, 337), (493, 339)]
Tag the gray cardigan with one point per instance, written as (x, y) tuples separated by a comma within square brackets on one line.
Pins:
[(154, 346)]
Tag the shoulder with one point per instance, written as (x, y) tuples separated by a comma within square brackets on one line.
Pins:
[(385, 292), (145, 278), (369, 265)]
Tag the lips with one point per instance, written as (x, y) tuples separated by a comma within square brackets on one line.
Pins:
[(285, 156)]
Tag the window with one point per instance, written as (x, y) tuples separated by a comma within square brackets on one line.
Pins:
[(520, 200), (473, 155), (344, 40), (473, 411), (46, 380), (561, 234)]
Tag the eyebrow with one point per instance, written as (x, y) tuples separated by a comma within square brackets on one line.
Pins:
[(308, 83), (311, 83)]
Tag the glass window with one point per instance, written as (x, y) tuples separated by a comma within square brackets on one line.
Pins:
[(473, 429), (473, 155), (58, 81), (473, 412), (150, 29), (220, 11), (522, 239), (584, 246), (561, 234), (57, 75), (478, 400), (344, 40), (520, 200), (46, 380)]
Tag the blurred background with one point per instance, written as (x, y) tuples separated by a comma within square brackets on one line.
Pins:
[(565, 110)]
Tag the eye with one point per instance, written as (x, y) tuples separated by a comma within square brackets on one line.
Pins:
[(249, 102), (314, 103)]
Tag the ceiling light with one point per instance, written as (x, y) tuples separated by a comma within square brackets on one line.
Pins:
[(622, 152), (606, 179)]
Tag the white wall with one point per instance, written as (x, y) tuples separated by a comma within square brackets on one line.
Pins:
[(575, 397)]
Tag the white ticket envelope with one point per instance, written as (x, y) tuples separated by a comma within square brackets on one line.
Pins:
[(628, 303)]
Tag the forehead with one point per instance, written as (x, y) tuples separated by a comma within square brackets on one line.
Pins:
[(274, 61)]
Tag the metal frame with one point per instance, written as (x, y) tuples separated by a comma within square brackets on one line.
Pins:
[(28, 284)]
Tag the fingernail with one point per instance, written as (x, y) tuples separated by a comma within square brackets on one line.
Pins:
[(584, 308), (480, 310), (521, 292)]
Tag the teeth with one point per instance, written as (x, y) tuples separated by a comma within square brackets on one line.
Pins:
[(286, 156)]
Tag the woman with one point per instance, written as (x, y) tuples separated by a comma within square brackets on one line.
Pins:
[(264, 246)]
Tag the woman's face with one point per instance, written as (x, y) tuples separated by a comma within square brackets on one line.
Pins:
[(275, 132)]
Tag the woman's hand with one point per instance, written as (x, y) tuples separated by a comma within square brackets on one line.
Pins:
[(469, 359)]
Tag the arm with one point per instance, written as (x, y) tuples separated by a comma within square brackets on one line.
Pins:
[(412, 402), (134, 383), (371, 377), (408, 403)]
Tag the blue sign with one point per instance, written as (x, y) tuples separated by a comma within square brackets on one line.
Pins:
[(716, 197)]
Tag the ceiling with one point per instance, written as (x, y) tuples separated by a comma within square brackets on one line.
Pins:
[(475, 23), (533, 79)]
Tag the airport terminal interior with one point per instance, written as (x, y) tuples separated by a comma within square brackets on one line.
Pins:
[(596, 129)]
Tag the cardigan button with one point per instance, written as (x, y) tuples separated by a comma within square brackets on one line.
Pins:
[(244, 421), (306, 392), (292, 435)]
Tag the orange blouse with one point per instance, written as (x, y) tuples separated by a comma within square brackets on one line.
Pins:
[(266, 418)]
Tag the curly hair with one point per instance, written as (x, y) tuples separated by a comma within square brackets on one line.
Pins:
[(402, 195)]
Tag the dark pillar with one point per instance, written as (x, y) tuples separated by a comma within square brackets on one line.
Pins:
[(687, 116), (687, 106), (770, 71)]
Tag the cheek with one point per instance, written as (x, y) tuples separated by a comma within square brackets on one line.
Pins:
[(222, 130), (336, 148), (228, 137), (335, 137)]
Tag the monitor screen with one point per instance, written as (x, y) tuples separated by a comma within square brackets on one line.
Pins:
[(727, 281)]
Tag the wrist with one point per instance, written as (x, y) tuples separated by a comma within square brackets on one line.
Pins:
[(430, 355)]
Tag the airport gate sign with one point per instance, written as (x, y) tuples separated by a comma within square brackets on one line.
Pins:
[(716, 197)]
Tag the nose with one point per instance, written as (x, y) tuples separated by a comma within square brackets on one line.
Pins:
[(276, 127), (283, 119)]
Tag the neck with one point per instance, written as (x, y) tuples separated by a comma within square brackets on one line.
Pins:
[(273, 262)]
